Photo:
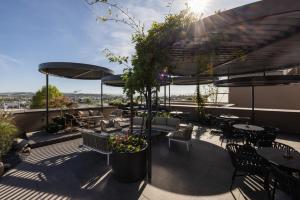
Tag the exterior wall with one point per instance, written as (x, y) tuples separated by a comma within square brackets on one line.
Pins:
[(34, 120), (275, 97), (286, 120)]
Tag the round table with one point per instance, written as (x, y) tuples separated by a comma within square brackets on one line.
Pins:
[(229, 117), (276, 157), (176, 112), (247, 127)]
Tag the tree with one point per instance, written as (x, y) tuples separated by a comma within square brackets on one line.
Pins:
[(56, 98)]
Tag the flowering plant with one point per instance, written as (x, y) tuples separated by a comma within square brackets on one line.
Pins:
[(127, 143)]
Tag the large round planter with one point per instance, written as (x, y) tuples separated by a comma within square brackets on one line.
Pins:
[(1, 169), (129, 167)]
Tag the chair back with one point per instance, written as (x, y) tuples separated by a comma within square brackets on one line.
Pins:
[(285, 182), (278, 145)]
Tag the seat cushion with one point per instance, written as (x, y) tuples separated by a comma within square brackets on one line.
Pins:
[(173, 122), (83, 113), (138, 121), (163, 128)]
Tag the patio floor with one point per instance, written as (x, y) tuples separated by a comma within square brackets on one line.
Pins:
[(65, 171)]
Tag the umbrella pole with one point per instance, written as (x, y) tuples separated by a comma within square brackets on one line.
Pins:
[(169, 96), (253, 103), (101, 96), (131, 112), (165, 96), (47, 101)]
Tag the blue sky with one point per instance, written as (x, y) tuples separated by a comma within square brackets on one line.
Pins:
[(35, 31)]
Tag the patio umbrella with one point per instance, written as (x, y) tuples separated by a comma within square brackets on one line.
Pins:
[(252, 81), (72, 71)]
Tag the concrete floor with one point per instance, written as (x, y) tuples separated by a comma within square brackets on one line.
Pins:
[(64, 171)]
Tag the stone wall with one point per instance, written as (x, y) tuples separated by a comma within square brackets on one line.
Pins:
[(286, 120), (35, 119)]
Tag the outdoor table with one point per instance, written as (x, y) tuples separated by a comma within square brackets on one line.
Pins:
[(277, 157), (176, 112), (247, 127), (182, 125), (229, 117)]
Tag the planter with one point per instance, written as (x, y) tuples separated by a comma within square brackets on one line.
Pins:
[(129, 167), (1, 169)]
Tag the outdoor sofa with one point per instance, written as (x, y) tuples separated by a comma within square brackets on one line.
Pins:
[(164, 124), (98, 142), (90, 117), (110, 126), (139, 123), (183, 135)]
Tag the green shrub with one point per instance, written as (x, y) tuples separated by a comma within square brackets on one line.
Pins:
[(127, 143), (7, 133)]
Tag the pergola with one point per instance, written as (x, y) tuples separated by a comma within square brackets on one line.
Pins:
[(253, 81), (72, 71), (257, 37)]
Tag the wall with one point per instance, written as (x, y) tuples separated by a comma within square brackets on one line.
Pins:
[(276, 97), (34, 120), (286, 120)]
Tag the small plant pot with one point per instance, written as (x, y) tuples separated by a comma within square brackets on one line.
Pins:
[(1, 169), (129, 167)]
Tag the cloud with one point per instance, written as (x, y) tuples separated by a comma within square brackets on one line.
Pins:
[(7, 62)]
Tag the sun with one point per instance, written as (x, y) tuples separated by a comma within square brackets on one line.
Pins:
[(198, 6)]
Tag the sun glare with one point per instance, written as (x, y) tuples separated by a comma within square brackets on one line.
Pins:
[(198, 6)]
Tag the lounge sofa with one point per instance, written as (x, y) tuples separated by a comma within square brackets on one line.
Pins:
[(110, 126), (90, 117), (116, 113), (139, 123), (164, 124)]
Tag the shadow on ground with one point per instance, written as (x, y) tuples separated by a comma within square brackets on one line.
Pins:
[(205, 170), (62, 170)]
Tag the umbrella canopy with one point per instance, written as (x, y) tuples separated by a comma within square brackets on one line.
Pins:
[(113, 80), (187, 80), (74, 70), (257, 37), (252, 81), (258, 81)]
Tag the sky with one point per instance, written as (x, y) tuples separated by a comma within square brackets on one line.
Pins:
[(35, 31)]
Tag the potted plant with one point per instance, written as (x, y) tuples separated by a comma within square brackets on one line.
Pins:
[(7, 134), (128, 157)]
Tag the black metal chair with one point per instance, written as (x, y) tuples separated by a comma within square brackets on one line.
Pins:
[(281, 180), (282, 146), (246, 161), (230, 134)]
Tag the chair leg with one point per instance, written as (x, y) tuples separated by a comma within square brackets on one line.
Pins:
[(187, 146), (169, 143), (107, 159), (232, 179)]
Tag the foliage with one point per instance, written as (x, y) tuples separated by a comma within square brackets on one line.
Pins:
[(153, 54), (163, 114), (116, 102), (56, 99), (6, 117), (7, 134), (200, 100), (127, 143), (53, 128)]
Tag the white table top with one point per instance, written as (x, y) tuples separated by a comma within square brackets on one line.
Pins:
[(248, 127), (229, 116), (176, 112)]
